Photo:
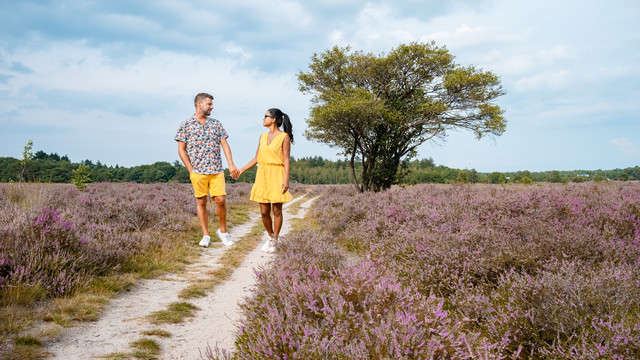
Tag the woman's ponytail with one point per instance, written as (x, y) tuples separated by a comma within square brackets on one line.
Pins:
[(282, 119), (287, 127)]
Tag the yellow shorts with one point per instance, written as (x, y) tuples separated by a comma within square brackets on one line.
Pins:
[(213, 184)]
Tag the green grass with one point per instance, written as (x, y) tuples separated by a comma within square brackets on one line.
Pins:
[(116, 356), (26, 347), (175, 314), (145, 349), (27, 340), (239, 213), (157, 332)]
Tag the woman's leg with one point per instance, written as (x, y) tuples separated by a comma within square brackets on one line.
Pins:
[(265, 211), (277, 218)]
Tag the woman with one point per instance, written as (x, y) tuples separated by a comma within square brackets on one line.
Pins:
[(271, 188)]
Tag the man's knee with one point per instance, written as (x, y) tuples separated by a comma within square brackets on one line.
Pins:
[(202, 201), (220, 200)]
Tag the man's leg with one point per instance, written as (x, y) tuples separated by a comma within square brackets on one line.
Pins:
[(221, 211), (218, 194), (201, 209)]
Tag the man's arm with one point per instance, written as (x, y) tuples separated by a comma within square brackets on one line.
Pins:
[(182, 152), (233, 170)]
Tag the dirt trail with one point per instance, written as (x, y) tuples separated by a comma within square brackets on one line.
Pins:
[(124, 319)]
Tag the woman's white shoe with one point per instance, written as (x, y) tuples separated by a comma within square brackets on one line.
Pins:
[(269, 245)]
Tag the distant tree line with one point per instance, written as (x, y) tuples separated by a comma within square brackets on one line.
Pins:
[(43, 167)]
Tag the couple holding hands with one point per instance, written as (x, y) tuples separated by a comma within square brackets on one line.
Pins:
[(200, 139)]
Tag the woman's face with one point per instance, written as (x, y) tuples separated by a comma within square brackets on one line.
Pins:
[(268, 119)]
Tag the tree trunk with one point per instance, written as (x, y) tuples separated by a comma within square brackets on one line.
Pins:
[(353, 170)]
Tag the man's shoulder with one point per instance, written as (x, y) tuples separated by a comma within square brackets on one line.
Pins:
[(187, 121), (184, 124)]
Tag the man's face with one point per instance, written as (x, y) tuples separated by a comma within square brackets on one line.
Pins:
[(206, 106)]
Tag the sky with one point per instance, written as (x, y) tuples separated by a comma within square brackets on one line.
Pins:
[(110, 81)]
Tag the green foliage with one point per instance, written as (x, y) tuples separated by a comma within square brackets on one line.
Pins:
[(554, 176), (52, 168), (378, 109), (497, 178), (27, 155), (81, 177)]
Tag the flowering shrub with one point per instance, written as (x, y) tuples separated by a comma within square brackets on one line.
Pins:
[(435, 271), (318, 306), (57, 237)]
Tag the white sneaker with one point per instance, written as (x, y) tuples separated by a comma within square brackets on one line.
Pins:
[(267, 240), (225, 238), (205, 241), (269, 245)]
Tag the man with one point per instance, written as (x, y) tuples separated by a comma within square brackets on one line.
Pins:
[(199, 141)]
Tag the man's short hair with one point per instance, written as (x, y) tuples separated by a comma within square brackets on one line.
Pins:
[(200, 97)]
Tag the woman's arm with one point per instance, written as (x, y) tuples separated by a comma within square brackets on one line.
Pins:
[(251, 162), (286, 149), (227, 153)]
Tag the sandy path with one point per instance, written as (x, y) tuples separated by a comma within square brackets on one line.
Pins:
[(123, 320)]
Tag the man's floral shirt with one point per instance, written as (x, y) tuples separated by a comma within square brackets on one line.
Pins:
[(203, 144)]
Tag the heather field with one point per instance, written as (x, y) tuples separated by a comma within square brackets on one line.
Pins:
[(454, 272), (59, 242), (57, 238)]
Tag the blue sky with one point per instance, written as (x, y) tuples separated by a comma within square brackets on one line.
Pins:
[(110, 81)]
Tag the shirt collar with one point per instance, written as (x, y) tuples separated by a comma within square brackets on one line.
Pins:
[(208, 119)]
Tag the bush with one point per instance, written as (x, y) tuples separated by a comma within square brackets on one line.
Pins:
[(58, 237), (484, 271)]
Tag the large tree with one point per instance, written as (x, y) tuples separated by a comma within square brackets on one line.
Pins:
[(379, 109)]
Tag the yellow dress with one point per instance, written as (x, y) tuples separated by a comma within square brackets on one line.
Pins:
[(270, 174)]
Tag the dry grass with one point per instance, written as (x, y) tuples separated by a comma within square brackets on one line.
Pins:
[(14, 319), (21, 294), (172, 256), (26, 352), (297, 224)]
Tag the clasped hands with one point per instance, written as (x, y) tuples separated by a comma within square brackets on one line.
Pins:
[(234, 172)]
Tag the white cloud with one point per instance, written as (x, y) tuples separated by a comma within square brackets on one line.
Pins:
[(233, 49), (337, 37), (544, 81), (462, 35), (625, 146), (159, 87), (567, 70)]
